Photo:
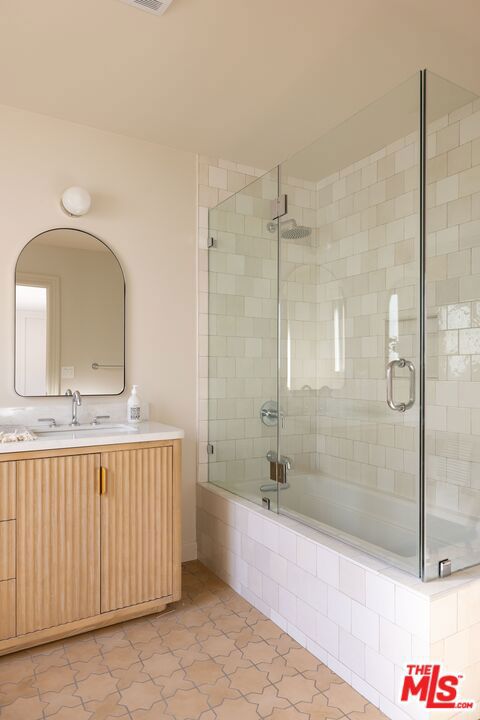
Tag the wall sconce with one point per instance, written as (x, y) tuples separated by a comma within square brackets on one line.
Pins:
[(76, 201)]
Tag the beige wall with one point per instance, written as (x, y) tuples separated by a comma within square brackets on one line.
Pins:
[(144, 198)]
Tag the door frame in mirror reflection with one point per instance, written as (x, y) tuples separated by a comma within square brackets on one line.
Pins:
[(47, 277), (51, 283)]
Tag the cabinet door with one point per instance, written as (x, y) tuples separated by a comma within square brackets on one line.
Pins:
[(136, 512), (7, 491), (58, 541)]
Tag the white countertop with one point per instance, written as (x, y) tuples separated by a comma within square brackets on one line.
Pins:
[(143, 432)]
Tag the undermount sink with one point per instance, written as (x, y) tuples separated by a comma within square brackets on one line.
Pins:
[(112, 428)]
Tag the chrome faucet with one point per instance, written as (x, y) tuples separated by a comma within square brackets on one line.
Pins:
[(76, 402)]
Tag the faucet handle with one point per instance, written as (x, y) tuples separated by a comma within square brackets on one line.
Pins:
[(52, 421), (100, 417)]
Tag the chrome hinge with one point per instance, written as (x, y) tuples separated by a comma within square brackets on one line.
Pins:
[(211, 242), (279, 207), (266, 503), (445, 568), (210, 449)]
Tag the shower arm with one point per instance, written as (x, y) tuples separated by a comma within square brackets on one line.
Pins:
[(272, 226)]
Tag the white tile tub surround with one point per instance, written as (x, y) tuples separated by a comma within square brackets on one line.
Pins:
[(359, 616)]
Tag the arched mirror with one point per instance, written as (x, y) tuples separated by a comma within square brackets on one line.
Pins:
[(69, 316)]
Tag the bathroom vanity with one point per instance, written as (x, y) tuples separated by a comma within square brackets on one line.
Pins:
[(89, 530)]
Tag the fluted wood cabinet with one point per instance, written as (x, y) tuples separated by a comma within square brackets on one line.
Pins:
[(88, 537)]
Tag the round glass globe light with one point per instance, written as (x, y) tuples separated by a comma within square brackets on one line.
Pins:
[(76, 201)]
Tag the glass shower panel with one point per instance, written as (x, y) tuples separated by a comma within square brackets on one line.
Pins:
[(452, 413), (349, 299), (243, 294)]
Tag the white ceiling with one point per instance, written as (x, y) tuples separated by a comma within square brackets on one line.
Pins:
[(248, 80)]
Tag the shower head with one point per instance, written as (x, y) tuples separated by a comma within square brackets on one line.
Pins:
[(294, 232)]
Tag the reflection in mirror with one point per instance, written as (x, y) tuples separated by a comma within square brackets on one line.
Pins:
[(69, 316)]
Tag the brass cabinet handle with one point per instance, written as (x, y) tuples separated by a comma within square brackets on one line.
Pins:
[(103, 480)]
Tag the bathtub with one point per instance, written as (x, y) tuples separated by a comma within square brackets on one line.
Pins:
[(337, 593), (377, 522)]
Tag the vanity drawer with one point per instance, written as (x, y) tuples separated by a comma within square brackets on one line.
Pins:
[(7, 604), (7, 491), (7, 550)]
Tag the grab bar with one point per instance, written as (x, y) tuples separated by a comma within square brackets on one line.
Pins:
[(401, 363), (98, 366)]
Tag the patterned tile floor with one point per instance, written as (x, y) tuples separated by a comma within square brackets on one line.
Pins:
[(214, 657)]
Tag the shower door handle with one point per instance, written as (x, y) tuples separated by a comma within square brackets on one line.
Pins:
[(401, 363)]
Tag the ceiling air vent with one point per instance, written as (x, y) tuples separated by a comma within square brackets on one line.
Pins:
[(156, 7)]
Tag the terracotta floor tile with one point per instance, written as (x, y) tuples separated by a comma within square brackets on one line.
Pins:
[(82, 651), (323, 677), (187, 704), (156, 712), (212, 656), (277, 669), (140, 696), (267, 701), (249, 680), (301, 660), (180, 638), (207, 631), (193, 618), (83, 669), (169, 684), (191, 655), (108, 708), (23, 708), (120, 657), (78, 713), (13, 670), (267, 630), (229, 623), (319, 709), (58, 700), (48, 681), (232, 662), (236, 710), (259, 652), (345, 698), (161, 664), (245, 636), (218, 646), (154, 646), (290, 713), (9, 692), (47, 660), (371, 713), (284, 644), (203, 671), (219, 692), (126, 676), (96, 687), (296, 688), (112, 642)]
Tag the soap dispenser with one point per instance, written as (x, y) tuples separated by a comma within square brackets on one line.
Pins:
[(133, 406)]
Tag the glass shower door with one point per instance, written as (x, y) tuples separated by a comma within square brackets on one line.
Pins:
[(452, 418), (243, 277), (349, 331)]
